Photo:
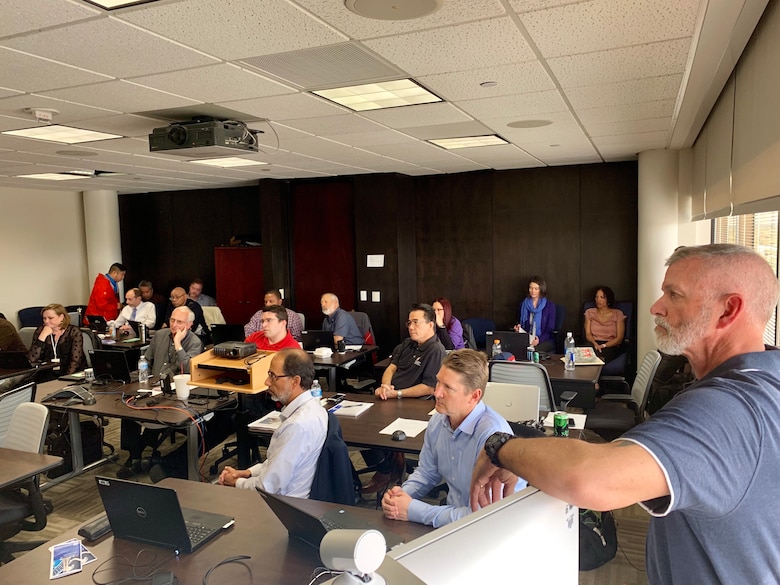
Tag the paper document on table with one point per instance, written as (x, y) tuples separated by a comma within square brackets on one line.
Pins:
[(270, 422), (579, 420), (411, 427), (585, 356), (350, 408), (353, 347)]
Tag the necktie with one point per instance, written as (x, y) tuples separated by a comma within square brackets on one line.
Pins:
[(132, 317)]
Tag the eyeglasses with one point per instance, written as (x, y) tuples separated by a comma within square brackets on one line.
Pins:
[(174, 297), (269, 320), (274, 377), (415, 322)]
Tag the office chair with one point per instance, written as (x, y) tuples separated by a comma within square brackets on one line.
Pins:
[(468, 336), (302, 317), (30, 317), (91, 342), (558, 335), (27, 432), (479, 325), (335, 479), (527, 373), (614, 414), (362, 379)]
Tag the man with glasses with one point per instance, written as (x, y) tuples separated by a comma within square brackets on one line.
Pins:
[(274, 335), (178, 299), (169, 353), (291, 459), (136, 309), (411, 374), (274, 297)]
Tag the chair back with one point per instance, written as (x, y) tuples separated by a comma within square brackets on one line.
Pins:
[(9, 401), (335, 478), (558, 337), (213, 315), (468, 336), (26, 334), (27, 431), (91, 342), (480, 326), (525, 373), (30, 317), (640, 390), (302, 317), (364, 324)]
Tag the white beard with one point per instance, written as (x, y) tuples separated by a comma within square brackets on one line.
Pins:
[(674, 341)]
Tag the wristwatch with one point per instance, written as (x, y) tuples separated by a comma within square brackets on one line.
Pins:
[(398, 394), (494, 443)]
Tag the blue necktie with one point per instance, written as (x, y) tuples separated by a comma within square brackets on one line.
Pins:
[(132, 317)]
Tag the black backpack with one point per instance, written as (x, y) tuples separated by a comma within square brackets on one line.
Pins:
[(598, 539)]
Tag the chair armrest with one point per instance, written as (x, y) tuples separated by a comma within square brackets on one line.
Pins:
[(624, 398)]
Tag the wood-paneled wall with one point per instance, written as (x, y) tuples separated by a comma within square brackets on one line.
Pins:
[(475, 238)]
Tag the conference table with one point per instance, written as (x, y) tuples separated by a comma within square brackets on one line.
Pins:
[(275, 559), (16, 466), (340, 362), (582, 380), (110, 402)]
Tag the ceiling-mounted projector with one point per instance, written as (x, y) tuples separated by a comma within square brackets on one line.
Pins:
[(204, 138)]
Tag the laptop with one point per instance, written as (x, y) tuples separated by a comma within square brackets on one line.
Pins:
[(97, 323), (313, 339), (511, 341), (151, 514), (111, 365), (226, 332), (515, 402), (311, 529), (14, 360)]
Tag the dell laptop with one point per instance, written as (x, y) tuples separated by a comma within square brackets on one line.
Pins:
[(311, 529), (226, 332), (151, 514), (97, 323), (514, 402), (111, 364), (313, 339), (512, 341)]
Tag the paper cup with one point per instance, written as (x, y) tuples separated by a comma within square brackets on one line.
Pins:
[(182, 383), (89, 375)]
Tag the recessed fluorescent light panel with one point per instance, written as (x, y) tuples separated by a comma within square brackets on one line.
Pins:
[(62, 134), (228, 162), (51, 176), (114, 4), (376, 96), (468, 141)]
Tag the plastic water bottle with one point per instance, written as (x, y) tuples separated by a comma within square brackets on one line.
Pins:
[(569, 345), (143, 370), (316, 389), (496, 351), (111, 330)]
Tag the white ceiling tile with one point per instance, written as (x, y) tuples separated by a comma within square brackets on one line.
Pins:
[(111, 47), (8, 92), (624, 112), (606, 24), (637, 142), (335, 125), (68, 112), (528, 5), (214, 83), (120, 95), (29, 15), (455, 130), (363, 139), (518, 106), (529, 76), (28, 73), (468, 46), (288, 107), (412, 116), (125, 125), (235, 29), (575, 149), (503, 155), (563, 130), (629, 127), (625, 92), (663, 58), (358, 27)]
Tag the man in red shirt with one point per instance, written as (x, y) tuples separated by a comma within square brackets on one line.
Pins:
[(274, 335), (104, 298)]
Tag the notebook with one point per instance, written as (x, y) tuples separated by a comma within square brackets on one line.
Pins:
[(512, 341), (111, 365), (311, 529), (515, 402), (313, 339), (151, 514), (97, 323)]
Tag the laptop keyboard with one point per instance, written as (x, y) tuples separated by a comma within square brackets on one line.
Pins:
[(197, 532)]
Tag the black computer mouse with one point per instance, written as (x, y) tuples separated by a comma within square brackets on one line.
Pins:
[(399, 436)]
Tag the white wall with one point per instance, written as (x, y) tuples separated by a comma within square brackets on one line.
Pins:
[(42, 249)]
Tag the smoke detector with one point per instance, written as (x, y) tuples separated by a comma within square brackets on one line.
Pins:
[(43, 115), (393, 9)]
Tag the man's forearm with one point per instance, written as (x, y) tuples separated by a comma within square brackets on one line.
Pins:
[(417, 391)]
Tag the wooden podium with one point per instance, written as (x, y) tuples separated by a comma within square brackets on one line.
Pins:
[(246, 375)]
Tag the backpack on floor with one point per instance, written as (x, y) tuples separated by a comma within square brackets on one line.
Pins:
[(598, 539)]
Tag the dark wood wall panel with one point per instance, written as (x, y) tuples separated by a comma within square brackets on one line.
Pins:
[(454, 241), (535, 232), (276, 238), (323, 245)]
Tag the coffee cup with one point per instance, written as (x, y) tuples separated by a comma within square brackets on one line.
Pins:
[(182, 383), (89, 375)]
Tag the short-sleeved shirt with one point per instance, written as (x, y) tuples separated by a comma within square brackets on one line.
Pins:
[(718, 444), (417, 363), (604, 330), (343, 324)]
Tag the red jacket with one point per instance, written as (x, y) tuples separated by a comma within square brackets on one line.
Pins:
[(102, 300)]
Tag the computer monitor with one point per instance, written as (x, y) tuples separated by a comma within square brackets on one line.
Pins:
[(528, 537)]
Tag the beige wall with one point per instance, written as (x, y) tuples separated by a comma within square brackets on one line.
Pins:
[(42, 249)]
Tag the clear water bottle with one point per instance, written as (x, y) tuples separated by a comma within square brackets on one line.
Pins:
[(111, 330), (496, 351), (569, 347), (316, 389), (143, 370)]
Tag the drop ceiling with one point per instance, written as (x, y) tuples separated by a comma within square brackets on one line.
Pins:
[(612, 78)]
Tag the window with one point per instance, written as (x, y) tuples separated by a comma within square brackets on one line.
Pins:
[(757, 231)]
